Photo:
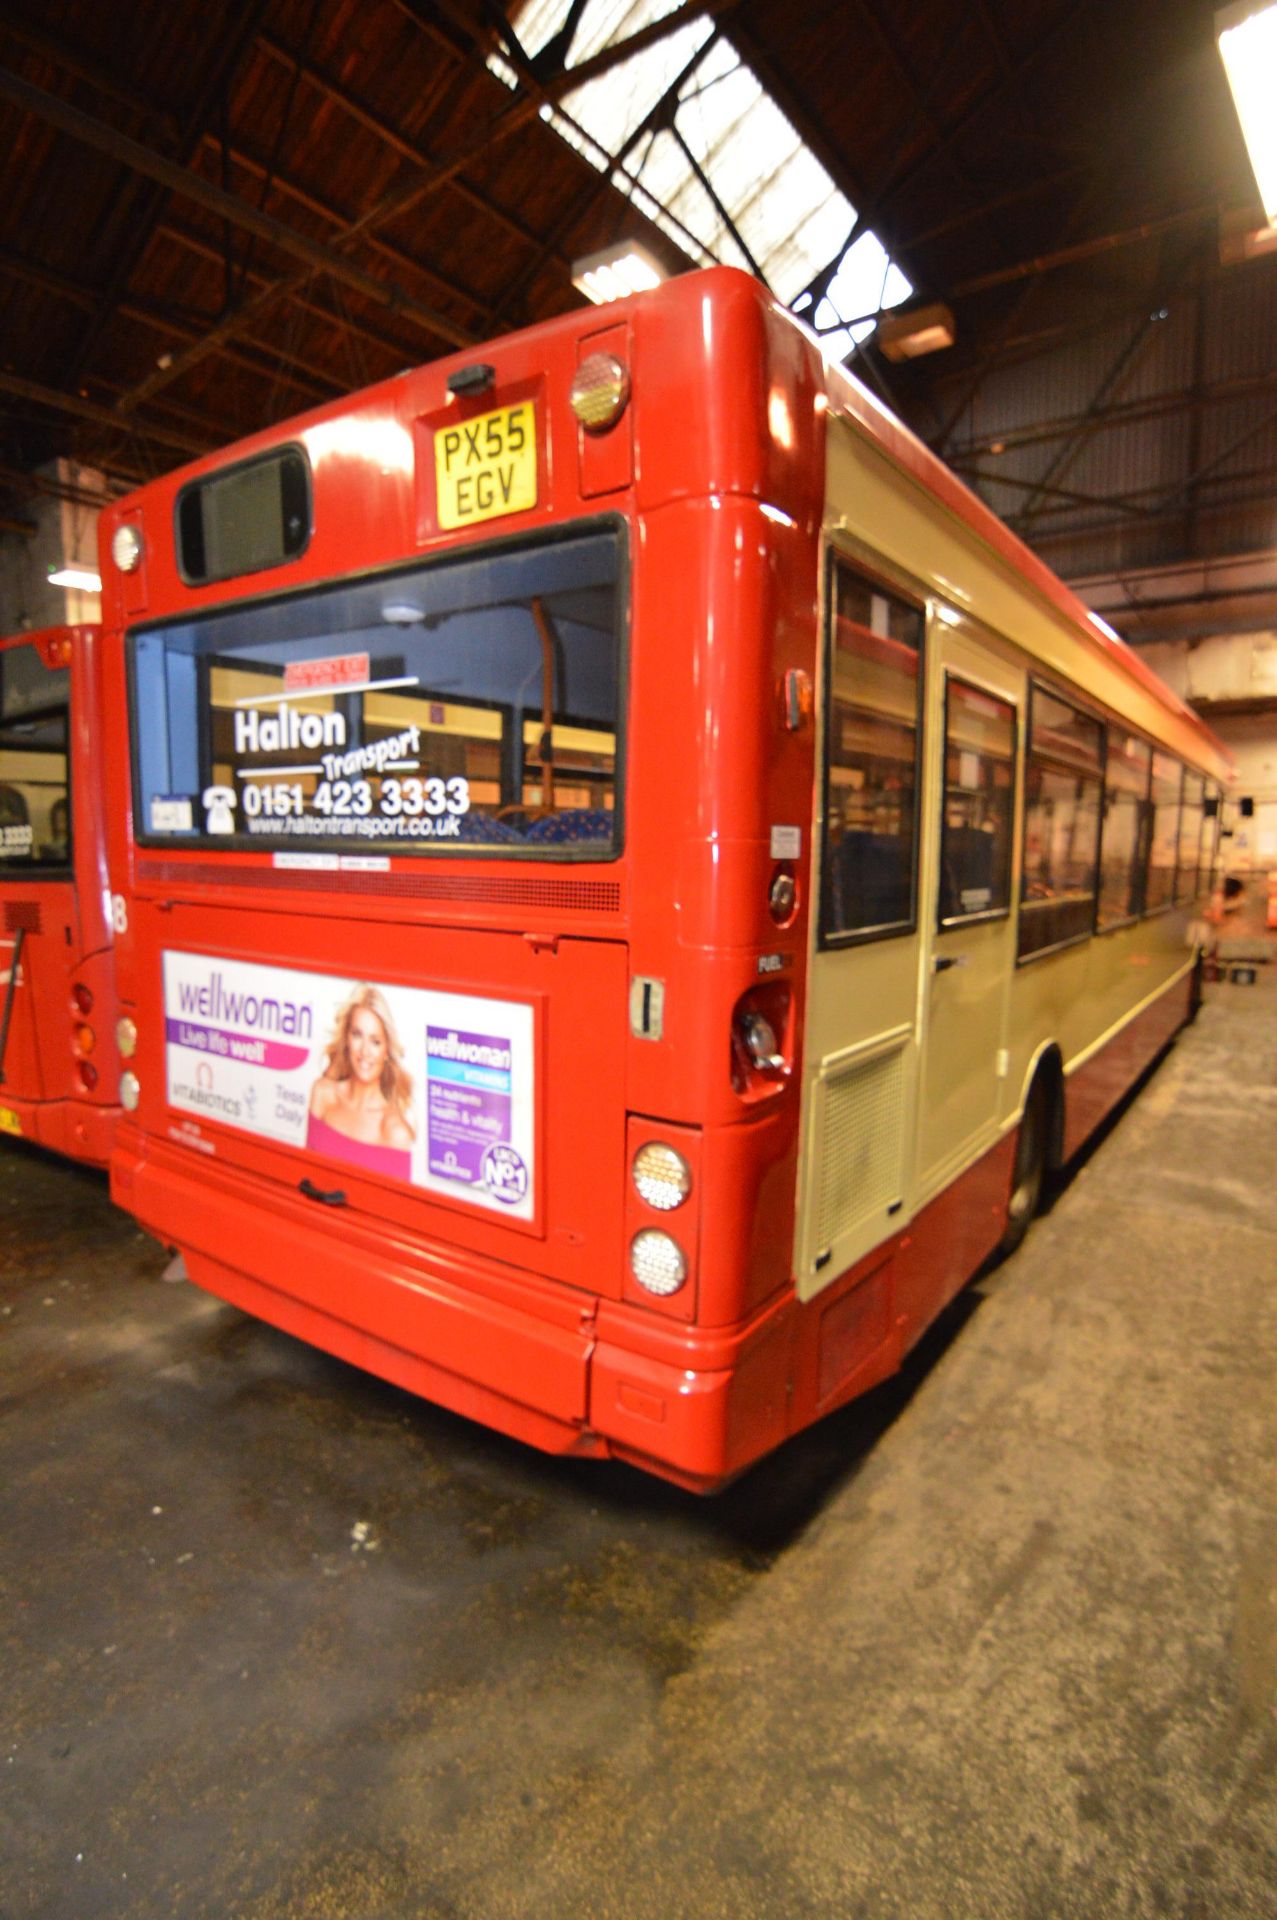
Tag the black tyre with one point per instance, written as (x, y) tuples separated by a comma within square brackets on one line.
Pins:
[(1030, 1168)]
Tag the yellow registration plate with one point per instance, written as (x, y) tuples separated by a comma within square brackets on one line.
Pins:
[(9, 1121), (487, 466)]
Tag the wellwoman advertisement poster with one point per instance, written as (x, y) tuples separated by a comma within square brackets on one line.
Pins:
[(435, 1089)]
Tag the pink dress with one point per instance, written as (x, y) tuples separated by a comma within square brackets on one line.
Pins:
[(395, 1161)]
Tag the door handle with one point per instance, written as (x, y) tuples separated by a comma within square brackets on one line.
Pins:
[(943, 962)]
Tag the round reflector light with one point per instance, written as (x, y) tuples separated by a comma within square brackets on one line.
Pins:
[(783, 898), (599, 392), (657, 1262), (126, 1038), (662, 1176), (130, 1092), (126, 548)]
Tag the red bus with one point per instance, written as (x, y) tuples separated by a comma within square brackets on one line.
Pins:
[(612, 896), (58, 1068)]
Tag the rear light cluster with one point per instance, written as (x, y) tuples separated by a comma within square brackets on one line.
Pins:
[(657, 1262), (662, 1215), (663, 1181), (84, 1037), (126, 1046)]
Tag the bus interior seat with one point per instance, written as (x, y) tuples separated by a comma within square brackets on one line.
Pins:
[(573, 825), (871, 879)]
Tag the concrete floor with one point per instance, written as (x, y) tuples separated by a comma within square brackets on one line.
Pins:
[(277, 1641)]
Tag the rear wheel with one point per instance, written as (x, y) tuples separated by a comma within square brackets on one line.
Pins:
[(1030, 1168)]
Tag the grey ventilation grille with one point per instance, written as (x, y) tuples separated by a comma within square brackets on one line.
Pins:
[(862, 1138)]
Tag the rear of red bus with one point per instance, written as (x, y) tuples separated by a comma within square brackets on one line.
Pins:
[(463, 796), (58, 1067)]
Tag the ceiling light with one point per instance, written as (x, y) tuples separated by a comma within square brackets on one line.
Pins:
[(1247, 36), (84, 579), (904, 336), (616, 272)]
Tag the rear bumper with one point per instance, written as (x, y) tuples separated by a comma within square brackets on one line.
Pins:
[(75, 1128), (496, 1344)]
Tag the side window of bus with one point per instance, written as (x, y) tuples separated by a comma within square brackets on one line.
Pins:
[(874, 681), (1122, 844), (979, 785), (1062, 785), (1164, 841), (1187, 884)]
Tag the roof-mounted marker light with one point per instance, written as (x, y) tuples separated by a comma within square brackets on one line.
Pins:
[(126, 547), (600, 391)]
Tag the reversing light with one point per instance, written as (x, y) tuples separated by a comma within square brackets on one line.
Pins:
[(83, 1039), (662, 1176), (130, 1092), (599, 391), (126, 1038), (82, 999), (126, 548), (657, 1262)]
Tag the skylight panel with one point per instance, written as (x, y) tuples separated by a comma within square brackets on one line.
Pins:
[(765, 201)]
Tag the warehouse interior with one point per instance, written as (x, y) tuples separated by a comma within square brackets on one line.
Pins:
[(998, 1639), (184, 260)]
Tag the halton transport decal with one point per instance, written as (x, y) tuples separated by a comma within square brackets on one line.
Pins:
[(434, 1089)]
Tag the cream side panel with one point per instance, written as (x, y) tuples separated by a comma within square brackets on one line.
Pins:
[(874, 502), (1083, 995)]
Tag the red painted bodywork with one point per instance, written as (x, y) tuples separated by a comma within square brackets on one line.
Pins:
[(68, 939), (717, 472), (1095, 1088)]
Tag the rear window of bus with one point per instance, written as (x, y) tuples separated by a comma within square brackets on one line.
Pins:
[(471, 704), (35, 785)]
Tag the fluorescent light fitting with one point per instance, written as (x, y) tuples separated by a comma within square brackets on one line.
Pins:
[(616, 272), (904, 336), (1247, 37), (84, 579)]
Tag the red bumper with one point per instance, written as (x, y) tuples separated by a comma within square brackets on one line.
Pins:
[(522, 1355), (72, 1127)]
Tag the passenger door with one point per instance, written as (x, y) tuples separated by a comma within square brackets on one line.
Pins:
[(975, 711), (860, 1052)]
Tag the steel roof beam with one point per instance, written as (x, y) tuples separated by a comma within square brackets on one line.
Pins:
[(409, 150), (165, 320), (227, 206), (398, 199), (137, 207), (82, 409), (1123, 414)]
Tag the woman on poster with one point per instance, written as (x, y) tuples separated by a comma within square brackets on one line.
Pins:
[(360, 1106)]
